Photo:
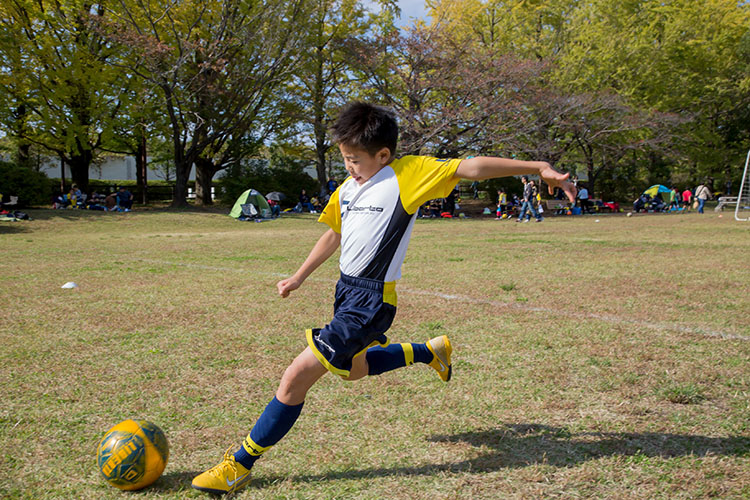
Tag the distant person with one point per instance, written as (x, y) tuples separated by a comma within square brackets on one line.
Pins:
[(702, 193), (675, 204), (124, 199), (527, 206), (687, 198), (449, 206), (275, 208), (474, 190), (315, 202), (61, 201), (502, 203), (641, 202), (73, 197), (75, 191), (536, 197), (304, 201), (95, 201), (583, 199), (110, 202), (332, 185), (657, 203)]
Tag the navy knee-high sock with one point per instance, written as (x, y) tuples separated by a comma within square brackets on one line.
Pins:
[(272, 425), (385, 359)]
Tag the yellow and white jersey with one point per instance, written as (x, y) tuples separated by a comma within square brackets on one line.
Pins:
[(375, 219)]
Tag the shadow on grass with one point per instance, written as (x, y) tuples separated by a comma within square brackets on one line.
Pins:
[(138, 211), (14, 227), (516, 446), (48, 214), (524, 445), (172, 482)]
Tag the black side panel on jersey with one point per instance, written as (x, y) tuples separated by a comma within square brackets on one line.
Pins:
[(378, 267)]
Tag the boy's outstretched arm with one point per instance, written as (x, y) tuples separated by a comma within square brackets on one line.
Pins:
[(323, 249), (488, 167)]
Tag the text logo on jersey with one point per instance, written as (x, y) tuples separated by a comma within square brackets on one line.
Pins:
[(369, 209)]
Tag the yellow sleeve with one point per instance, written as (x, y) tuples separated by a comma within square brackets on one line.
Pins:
[(423, 178), (331, 214)]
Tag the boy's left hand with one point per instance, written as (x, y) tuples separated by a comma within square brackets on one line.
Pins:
[(554, 179)]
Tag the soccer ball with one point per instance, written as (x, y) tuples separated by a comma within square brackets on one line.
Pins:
[(132, 455), (505, 216)]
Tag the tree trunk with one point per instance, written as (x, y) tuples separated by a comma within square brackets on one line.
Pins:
[(141, 166), (24, 154), (62, 175), (23, 151), (204, 172), (182, 161), (591, 174), (182, 173), (319, 126), (79, 169)]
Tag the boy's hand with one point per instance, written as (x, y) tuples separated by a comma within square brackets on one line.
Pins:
[(554, 179), (285, 287)]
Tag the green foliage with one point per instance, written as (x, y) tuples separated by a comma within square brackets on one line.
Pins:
[(511, 185), (56, 89), (31, 187), (262, 176)]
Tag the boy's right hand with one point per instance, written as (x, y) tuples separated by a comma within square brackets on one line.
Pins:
[(285, 287)]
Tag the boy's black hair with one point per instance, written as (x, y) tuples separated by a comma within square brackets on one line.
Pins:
[(366, 126)]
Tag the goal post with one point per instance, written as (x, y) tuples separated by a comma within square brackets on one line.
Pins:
[(742, 210)]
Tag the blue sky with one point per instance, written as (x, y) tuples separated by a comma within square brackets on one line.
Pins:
[(411, 9)]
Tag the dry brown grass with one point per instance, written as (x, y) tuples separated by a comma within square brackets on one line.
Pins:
[(593, 360)]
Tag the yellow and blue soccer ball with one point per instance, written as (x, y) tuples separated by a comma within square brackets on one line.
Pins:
[(132, 454)]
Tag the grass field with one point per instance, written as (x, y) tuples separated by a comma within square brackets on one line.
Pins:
[(592, 360)]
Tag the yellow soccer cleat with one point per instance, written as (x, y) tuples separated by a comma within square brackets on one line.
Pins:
[(441, 349), (227, 477)]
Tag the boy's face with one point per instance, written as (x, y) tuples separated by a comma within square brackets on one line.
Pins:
[(361, 165)]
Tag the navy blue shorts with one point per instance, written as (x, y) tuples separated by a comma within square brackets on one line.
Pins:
[(363, 312)]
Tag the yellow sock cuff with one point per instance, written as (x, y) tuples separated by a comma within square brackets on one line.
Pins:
[(408, 354), (254, 449)]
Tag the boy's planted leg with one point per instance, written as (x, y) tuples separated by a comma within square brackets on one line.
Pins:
[(233, 472)]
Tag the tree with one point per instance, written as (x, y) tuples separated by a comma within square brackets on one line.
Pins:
[(218, 66), (134, 131), (451, 99), (322, 77), (59, 93), (678, 57)]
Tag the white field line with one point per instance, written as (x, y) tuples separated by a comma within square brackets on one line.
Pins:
[(608, 318)]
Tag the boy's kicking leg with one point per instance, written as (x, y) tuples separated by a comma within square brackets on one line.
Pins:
[(436, 353)]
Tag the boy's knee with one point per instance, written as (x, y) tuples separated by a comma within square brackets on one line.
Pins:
[(291, 375)]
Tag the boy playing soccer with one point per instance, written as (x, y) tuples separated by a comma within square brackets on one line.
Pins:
[(370, 216)]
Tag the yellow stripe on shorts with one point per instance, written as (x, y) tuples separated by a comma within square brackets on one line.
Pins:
[(389, 293)]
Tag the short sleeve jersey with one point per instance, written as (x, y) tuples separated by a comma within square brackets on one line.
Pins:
[(376, 219)]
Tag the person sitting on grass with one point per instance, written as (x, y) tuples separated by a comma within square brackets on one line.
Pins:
[(124, 199), (370, 217)]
